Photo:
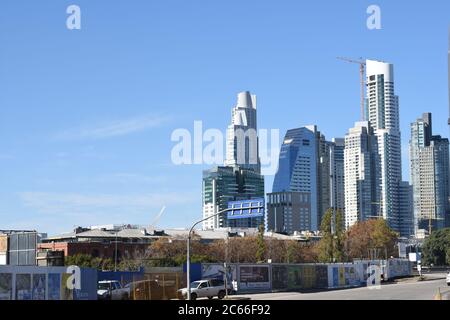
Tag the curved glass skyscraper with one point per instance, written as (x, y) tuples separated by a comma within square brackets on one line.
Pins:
[(297, 167)]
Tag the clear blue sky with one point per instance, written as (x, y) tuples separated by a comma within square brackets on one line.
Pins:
[(86, 116)]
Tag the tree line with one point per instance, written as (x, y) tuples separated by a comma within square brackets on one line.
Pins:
[(371, 239)]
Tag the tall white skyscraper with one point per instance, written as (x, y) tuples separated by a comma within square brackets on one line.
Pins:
[(361, 170), (242, 147), (383, 116)]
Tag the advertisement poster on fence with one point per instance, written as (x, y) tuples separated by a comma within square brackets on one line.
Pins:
[(54, 286), (66, 293), (254, 278), (5, 286), (216, 271), (351, 277), (38, 291), (294, 277), (279, 277), (23, 287)]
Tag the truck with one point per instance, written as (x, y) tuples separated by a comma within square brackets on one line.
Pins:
[(209, 288), (112, 290)]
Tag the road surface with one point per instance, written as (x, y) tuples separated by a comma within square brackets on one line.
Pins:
[(407, 290)]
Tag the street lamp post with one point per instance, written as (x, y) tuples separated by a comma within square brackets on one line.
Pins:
[(188, 255)]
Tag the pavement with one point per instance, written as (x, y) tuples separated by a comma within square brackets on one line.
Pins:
[(404, 289)]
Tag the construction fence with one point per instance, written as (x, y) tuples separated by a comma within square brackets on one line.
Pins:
[(296, 277), (149, 283)]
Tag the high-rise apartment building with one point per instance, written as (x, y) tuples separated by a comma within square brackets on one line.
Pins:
[(242, 147), (383, 116), (224, 184), (362, 179), (429, 170)]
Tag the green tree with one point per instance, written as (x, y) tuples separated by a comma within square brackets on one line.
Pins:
[(332, 230), (261, 251), (436, 248), (80, 260), (384, 237), (87, 261)]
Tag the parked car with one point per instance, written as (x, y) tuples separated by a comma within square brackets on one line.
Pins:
[(112, 290), (207, 289), (448, 279)]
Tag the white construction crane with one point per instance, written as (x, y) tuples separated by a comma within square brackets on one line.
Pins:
[(157, 218), (362, 69)]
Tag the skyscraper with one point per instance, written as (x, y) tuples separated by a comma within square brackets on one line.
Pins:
[(298, 168), (383, 116), (362, 179), (242, 139), (448, 62), (337, 199), (429, 169), (406, 210), (240, 178), (324, 173), (224, 184)]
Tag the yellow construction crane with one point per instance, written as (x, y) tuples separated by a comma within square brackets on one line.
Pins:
[(362, 68)]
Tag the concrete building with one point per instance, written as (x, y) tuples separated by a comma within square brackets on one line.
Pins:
[(383, 116), (242, 138), (18, 247), (122, 241), (298, 168), (362, 178), (222, 185), (429, 170), (288, 212)]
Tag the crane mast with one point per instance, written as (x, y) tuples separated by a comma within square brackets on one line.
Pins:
[(362, 69)]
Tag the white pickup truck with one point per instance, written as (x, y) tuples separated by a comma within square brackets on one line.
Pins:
[(206, 289), (112, 290)]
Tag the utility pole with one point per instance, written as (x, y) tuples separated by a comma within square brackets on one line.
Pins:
[(225, 265), (430, 225), (115, 255)]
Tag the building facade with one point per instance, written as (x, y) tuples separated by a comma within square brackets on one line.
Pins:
[(222, 185), (312, 165), (383, 115), (362, 179), (298, 168), (337, 199), (18, 247), (288, 212), (406, 209), (429, 170)]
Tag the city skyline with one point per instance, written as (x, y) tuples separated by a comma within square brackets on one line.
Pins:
[(77, 133)]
